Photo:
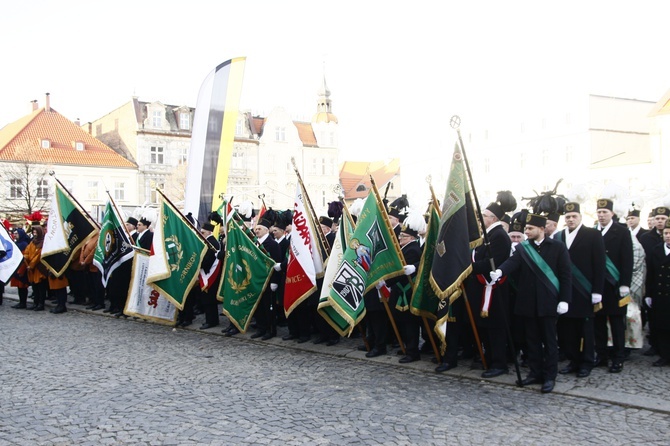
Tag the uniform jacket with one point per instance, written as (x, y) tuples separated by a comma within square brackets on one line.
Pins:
[(500, 245), (658, 285), (619, 248), (533, 298), (587, 253), (401, 284)]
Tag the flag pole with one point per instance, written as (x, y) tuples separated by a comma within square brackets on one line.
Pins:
[(132, 242), (455, 123), (322, 238), (426, 324), (402, 258), (184, 219), (53, 174)]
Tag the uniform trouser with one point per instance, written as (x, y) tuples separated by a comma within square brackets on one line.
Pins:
[(300, 321), (23, 295), (210, 305), (96, 287), (410, 328), (571, 332), (663, 343), (61, 296), (325, 330), (378, 324), (264, 313), (39, 293), (618, 327), (495, 344), (186, 314), (542, 346)]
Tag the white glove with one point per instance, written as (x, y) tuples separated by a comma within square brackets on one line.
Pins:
[(273, 287), (380, 284), (277, 266), (647, 300), (562, 308), (409, 269), (624, 291), (495, 275), (596, 298)]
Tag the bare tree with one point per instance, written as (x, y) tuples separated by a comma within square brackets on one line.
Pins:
[(25, 184)]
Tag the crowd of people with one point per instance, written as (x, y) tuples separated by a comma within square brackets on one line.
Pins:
[(537, 291)]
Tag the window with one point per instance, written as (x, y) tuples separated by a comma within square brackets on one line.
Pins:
[(42, 188), (323, 198), (331, 139), (79, 145), (45, 143), (15, 188), (184, 121), (69, 185), (92, 190), (154, 194), (280, 133), (323, 166), (183, 156), (156, 119), (119, 190), (156, 155)]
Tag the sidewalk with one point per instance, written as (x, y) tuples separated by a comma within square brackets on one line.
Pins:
[(639, 385)]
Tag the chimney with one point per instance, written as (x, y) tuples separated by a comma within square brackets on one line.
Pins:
[(90, 128), (47, 106), (77, 122), (34, 102)]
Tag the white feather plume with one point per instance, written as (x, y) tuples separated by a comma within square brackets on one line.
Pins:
[(415, 221), (579, 193), (246, 209), (356, 207)]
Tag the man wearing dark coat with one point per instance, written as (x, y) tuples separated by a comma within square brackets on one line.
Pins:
[(658, 292), (545, 290), (616, 292), (490, 301), (209, 269), (144, 235), (265, 312), (587, 253), (633, 223), (409, 324)]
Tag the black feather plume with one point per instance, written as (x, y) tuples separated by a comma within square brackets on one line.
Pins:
[(506, 200)]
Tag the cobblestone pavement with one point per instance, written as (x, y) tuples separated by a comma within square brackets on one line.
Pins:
[(80, 378)]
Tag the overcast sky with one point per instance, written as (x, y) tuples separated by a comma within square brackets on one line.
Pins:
[(397, 70)]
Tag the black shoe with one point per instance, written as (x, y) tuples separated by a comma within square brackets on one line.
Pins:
[(651, 351), (570, 368), (600, 362), (97, 307), (374, 353), (205, 326), (408, 358), (616, 368), (661, 362), (444, 366), (185, 323), (39, 308), (20, 306), (289, 337), (90, 307), (108, 310), (492, 373), (362, 348), (530, 380), (231, 331), (258, 334), (332, 342), (267, 336), (118, 314), (583, 373), (319, 340), (303, 339), (58, 310), (548, 386)]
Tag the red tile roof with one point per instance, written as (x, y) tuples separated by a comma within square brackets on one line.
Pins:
[(21, 141), (357, 173), (306, 133)]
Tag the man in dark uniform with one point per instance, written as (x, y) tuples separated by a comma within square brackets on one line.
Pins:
[(144, 235), (653, 238), (545, 290), (616, 292), (409, 324), (210, 269), (587, 253), (264, 314), (489, 301), (326, 333), (658, 292), (633, 223), (119, 282)]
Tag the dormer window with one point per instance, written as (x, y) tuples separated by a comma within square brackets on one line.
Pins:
[(45, 144), (79, 145), (280, 133), (184, 121), (157, 119)]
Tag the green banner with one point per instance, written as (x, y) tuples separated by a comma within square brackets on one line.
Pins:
[(424, 299), (178, 252), (373, 254), (246, 273)]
